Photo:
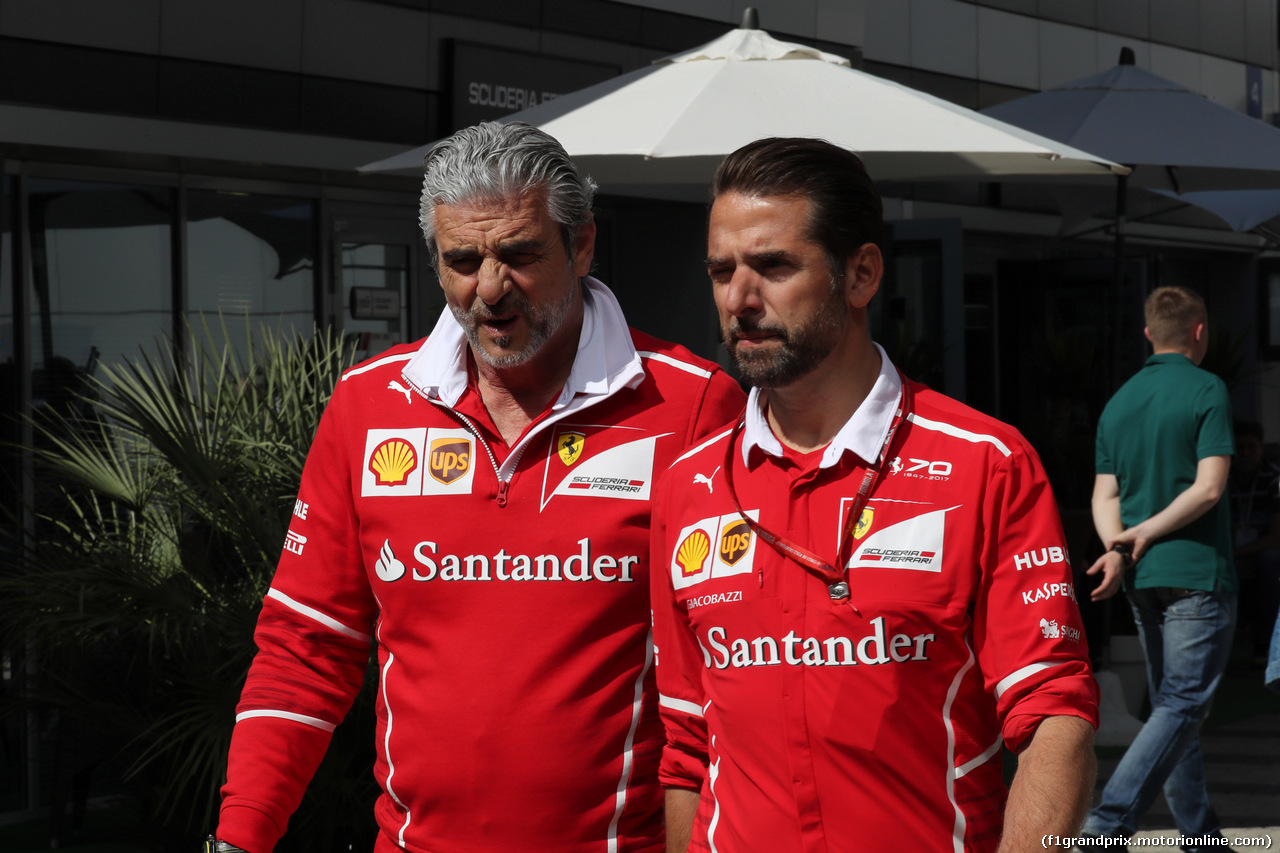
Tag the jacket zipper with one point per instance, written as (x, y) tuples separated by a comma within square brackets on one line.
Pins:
[(504, 483)]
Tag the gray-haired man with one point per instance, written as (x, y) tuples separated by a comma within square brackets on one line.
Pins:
[(478, 504)]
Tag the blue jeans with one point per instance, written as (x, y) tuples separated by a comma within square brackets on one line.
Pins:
[(1186, 638)]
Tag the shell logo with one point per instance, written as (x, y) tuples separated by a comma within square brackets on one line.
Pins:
[(693, 551), (392, 462), (735, 541)]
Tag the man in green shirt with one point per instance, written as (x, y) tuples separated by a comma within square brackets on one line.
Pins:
[(1164, 449)]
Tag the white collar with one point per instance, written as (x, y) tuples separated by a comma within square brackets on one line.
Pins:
[(606, 361), (863, 434)]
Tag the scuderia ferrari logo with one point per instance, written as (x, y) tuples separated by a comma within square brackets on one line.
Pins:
[(914, 543), (569, 445), (864, 523), (417, 461), (598, 461)]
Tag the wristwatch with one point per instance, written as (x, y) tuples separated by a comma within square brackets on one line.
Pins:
[(213, 845), (1124, 552)]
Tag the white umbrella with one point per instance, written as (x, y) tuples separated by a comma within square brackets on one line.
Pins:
[(673, 122)]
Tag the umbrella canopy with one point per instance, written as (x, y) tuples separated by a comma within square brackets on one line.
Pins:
[(1242, 210), (673, 122), (1175, 139)]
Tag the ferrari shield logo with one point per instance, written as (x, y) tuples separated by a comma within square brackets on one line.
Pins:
[(570, 445), (864, 523)]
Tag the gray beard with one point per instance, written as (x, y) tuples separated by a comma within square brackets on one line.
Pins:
[(544, 321)]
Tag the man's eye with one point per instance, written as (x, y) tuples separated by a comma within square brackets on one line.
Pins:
[(720, 275), (463, 266), (519, 259)]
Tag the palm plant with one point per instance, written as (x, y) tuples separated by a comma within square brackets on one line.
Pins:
[(166, 493)]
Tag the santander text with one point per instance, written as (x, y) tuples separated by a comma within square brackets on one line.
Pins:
[(873, 649), (582, 566)]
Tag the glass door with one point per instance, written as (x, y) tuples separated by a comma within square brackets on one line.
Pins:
[(380, 294), (374, 295)]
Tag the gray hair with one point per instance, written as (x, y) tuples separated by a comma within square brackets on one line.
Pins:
[(491, 161)]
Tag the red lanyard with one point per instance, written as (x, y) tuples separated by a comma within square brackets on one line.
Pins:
[(834, 577)]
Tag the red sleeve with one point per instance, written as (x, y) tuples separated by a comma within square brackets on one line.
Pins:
[(722, 402), (1028, 634), (313, 639), (677, 664)]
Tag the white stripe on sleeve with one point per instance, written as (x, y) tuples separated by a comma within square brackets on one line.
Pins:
[(323, 619), (314, 722), (1013, 678), (679, 705)]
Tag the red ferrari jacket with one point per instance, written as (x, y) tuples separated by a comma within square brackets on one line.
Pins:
[(505, 590), (876, 721)]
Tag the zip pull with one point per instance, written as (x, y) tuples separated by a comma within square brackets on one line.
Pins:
[(502, 492)]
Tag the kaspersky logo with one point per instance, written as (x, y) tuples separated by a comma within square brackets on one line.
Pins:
[(417, 461)]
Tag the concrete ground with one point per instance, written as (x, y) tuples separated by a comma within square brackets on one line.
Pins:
[(1242, 768)]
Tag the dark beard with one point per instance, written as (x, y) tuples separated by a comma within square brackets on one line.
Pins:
[(801, 349)]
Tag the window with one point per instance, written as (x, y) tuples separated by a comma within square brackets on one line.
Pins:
[(101, 278), (250, 258)]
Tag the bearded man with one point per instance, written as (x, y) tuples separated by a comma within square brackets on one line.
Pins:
[(861, 588)]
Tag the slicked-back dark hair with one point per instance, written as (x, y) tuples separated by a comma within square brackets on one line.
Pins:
[(845, 211)]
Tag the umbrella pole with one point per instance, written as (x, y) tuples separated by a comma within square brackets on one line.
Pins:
[(1117, 285)]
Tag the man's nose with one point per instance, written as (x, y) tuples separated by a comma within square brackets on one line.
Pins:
[(494, 282), (741, 294)]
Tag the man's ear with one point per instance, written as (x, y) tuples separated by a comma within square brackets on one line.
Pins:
[(863, 270), (584, 248), (1146, 330)]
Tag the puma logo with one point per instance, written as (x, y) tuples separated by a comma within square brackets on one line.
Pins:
[(706, 481), (393, 385)]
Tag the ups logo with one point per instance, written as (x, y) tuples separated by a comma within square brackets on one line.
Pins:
[(735, 541), (450, 459)]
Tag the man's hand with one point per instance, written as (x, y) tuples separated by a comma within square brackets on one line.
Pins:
[(1112, 565), (1135, 540)]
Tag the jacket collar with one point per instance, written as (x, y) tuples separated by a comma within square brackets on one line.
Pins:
[(606, 362), (863, 434)]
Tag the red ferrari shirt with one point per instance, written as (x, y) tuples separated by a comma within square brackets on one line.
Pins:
[(505, 590), (818, 725)]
